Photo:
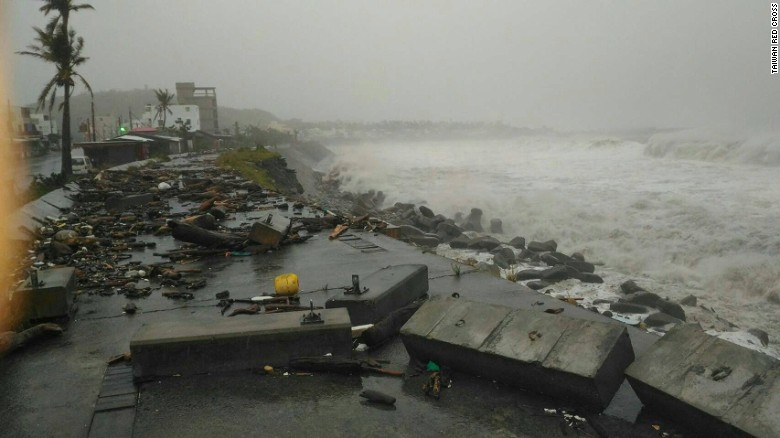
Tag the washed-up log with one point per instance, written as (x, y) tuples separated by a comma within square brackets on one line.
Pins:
[(199, 236), (288, 307), (10, 341), (377, 397), (391, 325), (313, 224), (340, 365)]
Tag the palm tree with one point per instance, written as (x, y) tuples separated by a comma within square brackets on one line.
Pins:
[(63, 8), (164, 102), (63, 49)]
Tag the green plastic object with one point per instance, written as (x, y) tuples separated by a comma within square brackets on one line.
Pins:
[(433, 366)]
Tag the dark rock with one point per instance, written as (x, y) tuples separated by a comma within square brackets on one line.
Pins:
[(761, 335), (205, 221), (547, 246), (474, 219), (517, 242), (504, 258), (460, 242), (400, 206), (584, 267), (629, 287), (560, 272), (623, 307), (537, 285), (496, 226), (449, 228), (644, 298), (425, 211), (425, 240), (528, 255), (578, 256), (408, 230), (528, 274), (486, 243), (219, 213), (671, 308), (661, 319), (601, 301), (59, 249), (425, 223), (690, 300), (587, 277), (607, 313)]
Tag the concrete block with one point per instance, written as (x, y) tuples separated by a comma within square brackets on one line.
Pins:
[(123, 203), (579, 361), (716, 387), (269, 233), (388, 289), (231, 344), (51, 299)]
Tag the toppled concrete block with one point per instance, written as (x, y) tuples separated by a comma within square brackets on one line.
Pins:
[(383, 292), (52, 298), (575, 360), (182, 347), (269, 233), (716, 387)]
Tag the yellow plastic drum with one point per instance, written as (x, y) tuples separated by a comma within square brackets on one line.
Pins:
[(286, 284)]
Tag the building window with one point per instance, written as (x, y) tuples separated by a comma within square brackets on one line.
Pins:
[(186, 108)]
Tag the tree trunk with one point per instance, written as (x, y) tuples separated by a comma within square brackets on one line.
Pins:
[(67, 166)]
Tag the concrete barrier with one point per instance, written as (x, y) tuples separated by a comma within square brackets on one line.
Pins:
[(182, 347), (52, 298), (578, 361), (382, 292), (716, 387)]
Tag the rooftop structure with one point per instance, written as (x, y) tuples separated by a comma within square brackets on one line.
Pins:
[(206, 100)]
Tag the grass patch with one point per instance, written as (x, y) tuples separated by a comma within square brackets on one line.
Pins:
[(245, 161)]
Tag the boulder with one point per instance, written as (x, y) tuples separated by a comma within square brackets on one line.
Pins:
[(547, 246), (496, 226), (485, 243), (504, 258), (629, 287), (68, 237), (578, 256), (761, 335), (517, 242), (425, 223), (425, 211), (690, 301), (584, 267), (59, 249), (409, 230), (474, 220), (460, 242), (558, 273), (587, 277), (671, 308), (425, 240), (449, 228), (555, 258), (205, 221), (538, 284), (623, 307), (528, 274), (661, 319), (644, 298)]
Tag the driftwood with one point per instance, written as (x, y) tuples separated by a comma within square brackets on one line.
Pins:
[(10, 341), (209, 239), (340, 365), (391, 325)]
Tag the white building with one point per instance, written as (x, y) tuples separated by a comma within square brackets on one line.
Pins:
[(178, 114), (44, 124)]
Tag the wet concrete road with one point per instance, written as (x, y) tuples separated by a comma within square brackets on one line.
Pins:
[(53, 385)]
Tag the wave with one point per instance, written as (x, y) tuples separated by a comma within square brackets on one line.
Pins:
[(711, 146)]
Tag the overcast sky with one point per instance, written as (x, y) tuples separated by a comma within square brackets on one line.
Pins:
[(565, 64)]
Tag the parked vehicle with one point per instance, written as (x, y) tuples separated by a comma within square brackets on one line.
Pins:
[(81, 165)]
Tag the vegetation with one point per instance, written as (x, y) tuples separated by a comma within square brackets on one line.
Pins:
[(164, 102), (58, 45), (42, 185), (246, 162)]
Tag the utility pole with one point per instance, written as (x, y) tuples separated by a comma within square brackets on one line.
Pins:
[(94, 128), (130, 117)]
